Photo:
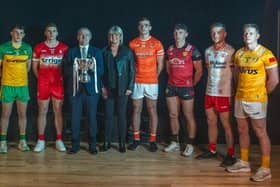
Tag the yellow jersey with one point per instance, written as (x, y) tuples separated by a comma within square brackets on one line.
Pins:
[(252, 76), (14, 64)]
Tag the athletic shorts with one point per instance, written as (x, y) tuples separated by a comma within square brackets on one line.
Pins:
[(220, 104), (145, 90), (254, 110), (50, 87), (11, 93), (185, 93)]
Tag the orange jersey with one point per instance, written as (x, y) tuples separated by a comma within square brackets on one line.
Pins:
[(146, 53)]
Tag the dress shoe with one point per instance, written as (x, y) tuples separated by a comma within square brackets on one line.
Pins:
[(106, 146), (93, 151), (122, 148), (73, 151)]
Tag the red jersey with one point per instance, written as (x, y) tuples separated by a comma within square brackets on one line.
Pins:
[(180, 65), (50, 59)]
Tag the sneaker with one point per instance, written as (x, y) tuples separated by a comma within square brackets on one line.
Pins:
[(261, 175), (40, 146), (22, 146), (228, 161), (3, 147), (153, 147), (173, 146), (239, 166), (134, 145), (188, 150), (59, 145), (206, 155)]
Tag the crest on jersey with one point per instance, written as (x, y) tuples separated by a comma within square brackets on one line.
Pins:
[(151, 45), (185, 53)]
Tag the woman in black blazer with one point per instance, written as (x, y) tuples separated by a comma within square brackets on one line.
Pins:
[(118, 83)]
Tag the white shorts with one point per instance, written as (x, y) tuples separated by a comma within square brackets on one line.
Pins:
[(145, 90), (254, 110)]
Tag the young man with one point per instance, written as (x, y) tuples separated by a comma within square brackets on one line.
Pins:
[(257, 77), (47, 67), (219, 61), (184, 67), (15, 59), (84, 68), (149, 54)]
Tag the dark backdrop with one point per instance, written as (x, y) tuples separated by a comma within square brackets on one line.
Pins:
[(69, 15)]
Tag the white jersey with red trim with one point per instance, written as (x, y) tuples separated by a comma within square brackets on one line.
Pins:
[(219, 63)]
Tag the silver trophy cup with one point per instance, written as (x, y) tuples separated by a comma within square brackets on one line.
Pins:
[(83, 67)]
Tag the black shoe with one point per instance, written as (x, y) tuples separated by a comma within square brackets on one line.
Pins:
[(228, 161), (73, 151), (153, 147), (106, 146), (134, 145), (206, 155), (93, 151), (122, 148)]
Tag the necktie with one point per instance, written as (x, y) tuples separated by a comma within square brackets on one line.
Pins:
[(84, 54)]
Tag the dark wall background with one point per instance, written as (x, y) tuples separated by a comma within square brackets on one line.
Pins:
[(69, 15)]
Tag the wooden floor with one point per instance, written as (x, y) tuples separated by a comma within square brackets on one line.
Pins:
[(132, 169)]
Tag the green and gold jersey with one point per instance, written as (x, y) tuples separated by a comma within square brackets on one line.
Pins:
[(252, 73), (14, 63)]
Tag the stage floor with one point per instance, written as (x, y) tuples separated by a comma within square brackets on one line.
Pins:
[(139, 168)]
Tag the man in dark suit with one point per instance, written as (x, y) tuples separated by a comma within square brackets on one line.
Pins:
[(83, 70)]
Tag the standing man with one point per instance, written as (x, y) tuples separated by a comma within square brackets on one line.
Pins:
[(257, 77), (184, 68), (219, 61), (84, 68), (47, 67), (149, 55), (118, 83), (15, 59)]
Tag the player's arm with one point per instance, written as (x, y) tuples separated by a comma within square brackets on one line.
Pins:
[(0, 68), (197, 71), (35, 66), (272, 78), (28, 65), (197, 64), (160, 64), (167, 65), (206, 59)]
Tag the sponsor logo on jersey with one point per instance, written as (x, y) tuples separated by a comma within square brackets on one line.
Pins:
[(51, 60), (16, 60), (217, 64), (248, 70), (144, 54), (176, 61)]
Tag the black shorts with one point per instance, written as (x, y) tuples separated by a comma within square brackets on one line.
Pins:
[(185, 93)]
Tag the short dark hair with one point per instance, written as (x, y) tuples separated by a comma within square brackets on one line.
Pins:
[(144, 19), (51, 24), (252, 25), (17, 26), (218, 24), (181, 26)]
